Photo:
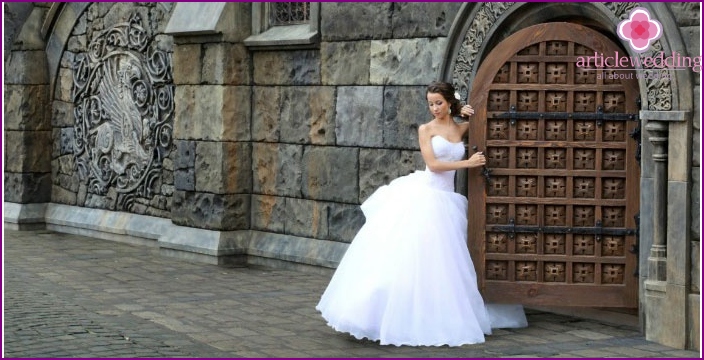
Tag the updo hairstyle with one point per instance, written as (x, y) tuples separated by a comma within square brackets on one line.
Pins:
[(448, 92)]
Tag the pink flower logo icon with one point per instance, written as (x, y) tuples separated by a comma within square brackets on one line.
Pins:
[(639, 29)]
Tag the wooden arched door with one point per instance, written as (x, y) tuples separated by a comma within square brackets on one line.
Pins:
[(554, 222)]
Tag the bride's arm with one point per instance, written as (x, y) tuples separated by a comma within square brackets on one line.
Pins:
[(435, 165)]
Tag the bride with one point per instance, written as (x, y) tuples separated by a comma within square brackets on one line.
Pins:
[(407, 277)]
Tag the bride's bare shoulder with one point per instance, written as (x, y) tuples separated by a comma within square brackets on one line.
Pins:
[(425, 128)]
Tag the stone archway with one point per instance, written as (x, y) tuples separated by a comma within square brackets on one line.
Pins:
[(666, 117)]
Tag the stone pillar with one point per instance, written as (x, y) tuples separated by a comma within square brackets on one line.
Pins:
[(657, 261), (211, 208), (27, 127), (667, 283)]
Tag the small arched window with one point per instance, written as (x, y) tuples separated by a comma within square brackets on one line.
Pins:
[(284, 25), (289, 13)]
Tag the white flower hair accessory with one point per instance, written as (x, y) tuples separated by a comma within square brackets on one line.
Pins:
[(457, 96)]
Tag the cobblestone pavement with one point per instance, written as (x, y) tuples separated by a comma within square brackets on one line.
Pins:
[(73, 296)]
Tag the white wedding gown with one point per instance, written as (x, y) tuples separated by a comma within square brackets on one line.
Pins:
[(407, 277)]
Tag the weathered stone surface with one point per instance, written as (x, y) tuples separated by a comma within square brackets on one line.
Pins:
[(307, 218), (696, 203), (63, 196), (691, 36), (77, 43), (195, 18), (187, 63), (15, 16), (423, 19), (212, 112), (82, 194), (31, 151), (223, 167), (377, 167), (696, 147), (345, 63), (331, 173), (168, 163), (27, 187), (277, 169), (159, 202), (300, 67), (303, 115), (226, 63), (67, 59), (64, 165), (410, 162), (268, 213), (211, 211), (185, 179), (677, 255), (694, 319), (697, 115), (359, 119), (68, 182), (66, 140), (232, 21), (696, 272), (266, 114), (405, 108), (26, 67), (25, 107), (406, 61), (62, 114), (167, 190), (65, 83), (344, 221), (308, 115), (355, 21), (686, 13), (236, 22), (80, 27), (185, 154), (153, 211)]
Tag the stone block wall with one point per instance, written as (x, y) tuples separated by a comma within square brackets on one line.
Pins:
[(330, 125), (212, 131), (26, 120)]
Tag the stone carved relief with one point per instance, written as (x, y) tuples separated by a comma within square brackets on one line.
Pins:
[(124, 103), (659, 88), (485, 18)]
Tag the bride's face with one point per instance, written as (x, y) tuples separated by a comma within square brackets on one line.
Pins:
[(437, 104)]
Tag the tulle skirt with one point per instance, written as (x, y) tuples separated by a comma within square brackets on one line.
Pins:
[(407, 277)]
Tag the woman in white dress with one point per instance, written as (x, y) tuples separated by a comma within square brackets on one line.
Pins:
[(407, 277)]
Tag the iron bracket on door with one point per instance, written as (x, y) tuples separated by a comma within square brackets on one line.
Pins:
[(512, 115), (635, 248), (635, 134), (598, 230)]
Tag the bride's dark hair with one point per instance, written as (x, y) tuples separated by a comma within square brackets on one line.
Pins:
[(448, 92)]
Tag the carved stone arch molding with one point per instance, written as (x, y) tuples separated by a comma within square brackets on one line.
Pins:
[(113, 96), (480, 26)]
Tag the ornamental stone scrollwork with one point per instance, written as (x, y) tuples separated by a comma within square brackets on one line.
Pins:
[(123, 95), (658, 84), (485, 18)]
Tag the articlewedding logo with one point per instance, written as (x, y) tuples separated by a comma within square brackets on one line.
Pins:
[(639, 29)]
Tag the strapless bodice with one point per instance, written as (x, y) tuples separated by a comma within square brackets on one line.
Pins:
[(444, 150)]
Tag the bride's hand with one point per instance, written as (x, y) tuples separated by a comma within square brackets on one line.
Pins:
[(466, 111), (476, 160)]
